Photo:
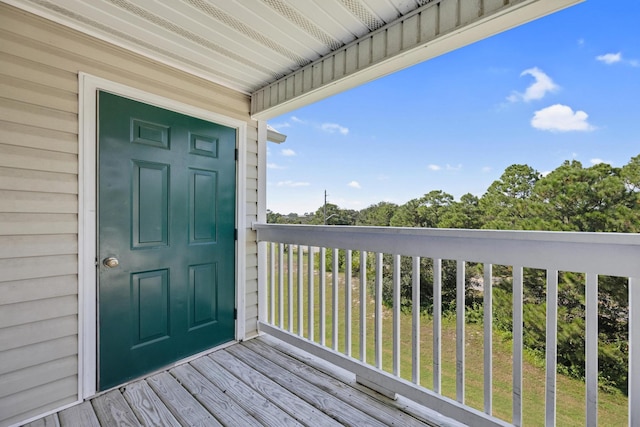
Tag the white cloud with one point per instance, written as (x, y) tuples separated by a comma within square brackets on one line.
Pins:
[(561, 118), (274, 166), (597, 161), (288, 152), (542, 85), (610, 58), (487, 169), (454, 168), (434, 167), (293, 184), (297, 119), (333, 128), (354, 184)]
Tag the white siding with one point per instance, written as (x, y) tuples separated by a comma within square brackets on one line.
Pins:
[(39, 66)]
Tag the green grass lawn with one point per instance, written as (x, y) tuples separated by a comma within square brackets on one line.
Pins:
[(612, 408)]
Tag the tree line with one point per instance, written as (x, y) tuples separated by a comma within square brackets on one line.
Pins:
[(600, 198)]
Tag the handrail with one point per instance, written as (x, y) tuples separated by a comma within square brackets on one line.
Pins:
[(607, 254), (613, 254)]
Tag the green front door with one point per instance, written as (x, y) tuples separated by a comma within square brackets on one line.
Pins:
[(166, 245)]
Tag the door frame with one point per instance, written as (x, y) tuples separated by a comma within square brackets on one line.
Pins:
[(89, 86)]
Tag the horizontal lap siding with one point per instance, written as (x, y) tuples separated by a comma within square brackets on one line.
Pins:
[(39, 66)]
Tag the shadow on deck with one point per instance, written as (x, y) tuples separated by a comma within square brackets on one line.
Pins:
[(261, 382)]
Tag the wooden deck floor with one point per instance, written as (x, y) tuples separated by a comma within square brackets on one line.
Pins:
[(257, 383)]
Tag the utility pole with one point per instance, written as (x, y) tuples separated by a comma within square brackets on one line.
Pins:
[(324, 210)]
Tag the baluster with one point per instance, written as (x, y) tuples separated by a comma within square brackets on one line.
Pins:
[(334, 321), (311, 294), (323, 296), (437, 325), (591, 348), (551, 347), (272, 283), (517, 345), (281, 285), (300, 291), (460, 323), (347, 303), (488, 338), (290, 280), (634, 350), (378, 311), (415, 326), (363, 306), (396, 315)]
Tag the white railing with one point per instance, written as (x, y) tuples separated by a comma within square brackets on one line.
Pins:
[(593, 254)]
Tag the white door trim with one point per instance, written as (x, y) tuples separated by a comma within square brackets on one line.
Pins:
[(87, 223)]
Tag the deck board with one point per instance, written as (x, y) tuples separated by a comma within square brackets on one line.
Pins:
[(112, 409), (315, 396), (79, 415), (367, 404), (147, 406), (292, 404), (257, 405), (255, 383), (180, 402), (225, 409)]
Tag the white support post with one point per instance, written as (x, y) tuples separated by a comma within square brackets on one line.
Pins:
[(363, 306), (378, 312), (517, 345), (323, 296), (396, 315), (460, 333), (347, 302), (488, 338), (437, 325), (551, 347), (591, 349), (415, 326)]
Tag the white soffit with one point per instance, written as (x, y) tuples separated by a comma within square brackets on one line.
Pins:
[(289, 53), (436, 28)]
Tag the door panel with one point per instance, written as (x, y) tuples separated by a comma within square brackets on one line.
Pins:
[(166, 211)]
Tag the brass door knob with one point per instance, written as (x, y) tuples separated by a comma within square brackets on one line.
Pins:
[(110, 262)]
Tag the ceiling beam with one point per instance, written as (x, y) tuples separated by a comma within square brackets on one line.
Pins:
[(438, 27)]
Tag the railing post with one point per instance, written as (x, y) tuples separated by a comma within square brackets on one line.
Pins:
[(272, 283), (290, 285)]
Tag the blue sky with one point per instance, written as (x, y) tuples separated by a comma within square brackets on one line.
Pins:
[(563, 87)]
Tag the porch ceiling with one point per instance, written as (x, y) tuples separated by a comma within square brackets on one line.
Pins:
[(289, 53)]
